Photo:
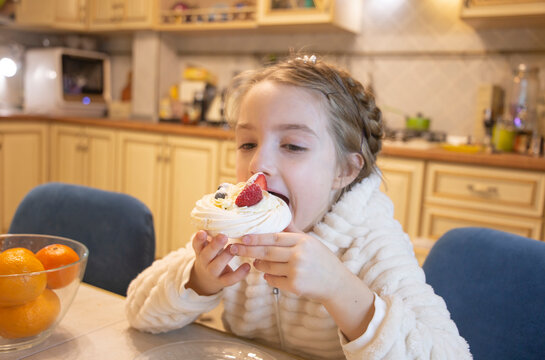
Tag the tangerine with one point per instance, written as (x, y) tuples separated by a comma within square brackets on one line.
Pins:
[(17, 290), (55, 256), (31, 318)]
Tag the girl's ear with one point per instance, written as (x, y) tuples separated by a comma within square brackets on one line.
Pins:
[(349, 171)]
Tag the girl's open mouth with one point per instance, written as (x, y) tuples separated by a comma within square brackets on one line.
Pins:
[(283, 197)]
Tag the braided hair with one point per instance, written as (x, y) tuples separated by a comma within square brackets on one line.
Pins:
[(355, 120)]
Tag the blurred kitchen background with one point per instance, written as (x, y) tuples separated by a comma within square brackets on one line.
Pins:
[(420, 56)]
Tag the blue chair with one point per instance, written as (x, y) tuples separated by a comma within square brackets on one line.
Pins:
[(494, 286), (117, 229)]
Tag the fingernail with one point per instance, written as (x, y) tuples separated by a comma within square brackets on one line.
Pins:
[(245, 239), (233, 250)]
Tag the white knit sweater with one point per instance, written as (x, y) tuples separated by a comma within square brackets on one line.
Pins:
[(361, 231)]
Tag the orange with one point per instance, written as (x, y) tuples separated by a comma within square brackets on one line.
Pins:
[(17, 290), (31, 318), (54, 256)]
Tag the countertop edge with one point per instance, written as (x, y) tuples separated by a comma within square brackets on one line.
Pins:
[(504, 160)]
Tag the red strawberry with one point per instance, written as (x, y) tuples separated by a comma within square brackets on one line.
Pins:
[(249, 196), (261, 181)]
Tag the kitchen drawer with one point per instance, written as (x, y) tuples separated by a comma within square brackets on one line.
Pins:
[(507, 191), (438, 220), (228, 153)]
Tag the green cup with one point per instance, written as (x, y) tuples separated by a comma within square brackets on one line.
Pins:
[(503, 138)]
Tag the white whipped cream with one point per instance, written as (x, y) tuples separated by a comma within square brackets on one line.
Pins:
[(222, 215)]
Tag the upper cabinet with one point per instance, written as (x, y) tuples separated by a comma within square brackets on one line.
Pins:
[(105, 15), (503, 12), (204, 15), (339, 14)]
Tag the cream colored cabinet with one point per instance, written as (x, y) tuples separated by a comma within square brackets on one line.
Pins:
[(83, 155), (23, 164), (403, 183), (330, 14), (464, 195), (70, 14), (120, 14), (169, 174), (227, 170), (35, 12), (506, 13), (59, 14)]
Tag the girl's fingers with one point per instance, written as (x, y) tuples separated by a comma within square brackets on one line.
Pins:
[(270, 253), (272, 268), (212, 249), (220, 263), (233, 277), (280, 282), (278, 239), (199, 241)]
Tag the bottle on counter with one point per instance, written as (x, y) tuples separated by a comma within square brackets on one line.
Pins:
[(523, 109)]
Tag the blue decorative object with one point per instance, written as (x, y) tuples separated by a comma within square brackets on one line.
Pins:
[(494, 286), (116, 228)]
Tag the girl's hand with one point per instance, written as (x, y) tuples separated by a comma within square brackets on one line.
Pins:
[(210, 272), (295, 262)]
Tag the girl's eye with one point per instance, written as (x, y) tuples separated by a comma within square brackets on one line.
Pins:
[(294, 148), (247, 146)]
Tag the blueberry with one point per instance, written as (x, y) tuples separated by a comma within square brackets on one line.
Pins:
[(220, 195)]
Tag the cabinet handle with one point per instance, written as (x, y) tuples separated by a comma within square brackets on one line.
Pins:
[(483, 191)]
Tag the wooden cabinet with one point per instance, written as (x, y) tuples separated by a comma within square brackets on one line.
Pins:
[(332, 14), (83, 155), (227, 170), (503, 13), (23, 164), (169, 174), (464, 195), (403, 183), (35, 12), (120, 14), (57, 14), (70, 14)]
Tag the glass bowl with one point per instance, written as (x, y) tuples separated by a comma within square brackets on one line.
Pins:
[(25, 324)]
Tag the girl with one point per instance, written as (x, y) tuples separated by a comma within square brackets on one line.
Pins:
[(342, 280)]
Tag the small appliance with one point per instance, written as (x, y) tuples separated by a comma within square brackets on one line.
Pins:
[(64, 81)]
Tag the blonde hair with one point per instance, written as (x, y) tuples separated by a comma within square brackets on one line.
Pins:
[(355, 120)]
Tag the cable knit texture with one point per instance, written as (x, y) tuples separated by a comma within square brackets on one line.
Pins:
[(361, 231)]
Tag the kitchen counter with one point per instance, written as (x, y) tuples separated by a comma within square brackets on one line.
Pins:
[(430, 152)]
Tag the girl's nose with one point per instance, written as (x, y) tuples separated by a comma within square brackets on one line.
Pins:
[(262, 162)]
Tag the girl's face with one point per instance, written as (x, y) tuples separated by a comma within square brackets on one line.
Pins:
[(282, 132)]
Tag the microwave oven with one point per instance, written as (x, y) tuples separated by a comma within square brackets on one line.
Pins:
[(63, 81)]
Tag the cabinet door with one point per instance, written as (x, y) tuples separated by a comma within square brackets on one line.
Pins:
[(100, 151), (403, 183), (71, 14), (227, 169), (68, 159), (139, 171), (102, 13), (138, 13), (438, 220), (34, 12), (192, 172), (23, 165)]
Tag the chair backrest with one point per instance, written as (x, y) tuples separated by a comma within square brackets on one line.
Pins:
[(494, 286), (117, 229)]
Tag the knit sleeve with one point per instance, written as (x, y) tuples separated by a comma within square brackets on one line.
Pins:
[(417, 324), (157, 300)]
